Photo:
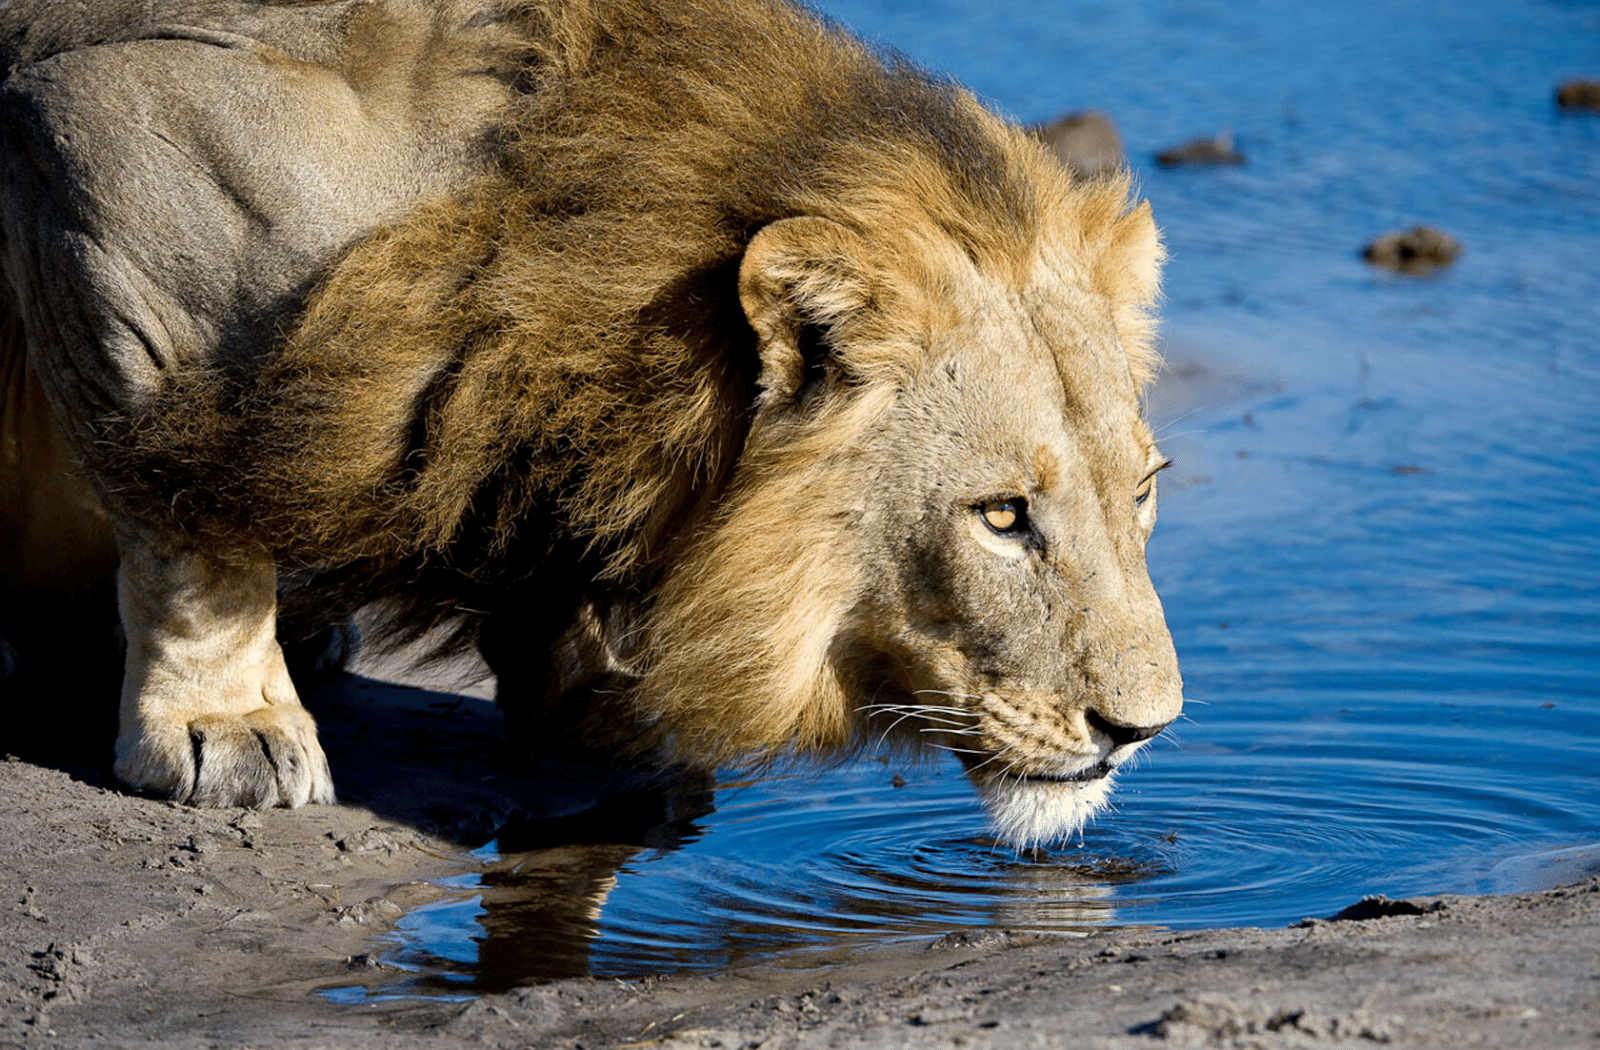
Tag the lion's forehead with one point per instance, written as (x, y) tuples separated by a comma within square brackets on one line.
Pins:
[(1038, 379)]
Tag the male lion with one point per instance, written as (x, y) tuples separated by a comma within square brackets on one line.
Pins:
[(702, 365)]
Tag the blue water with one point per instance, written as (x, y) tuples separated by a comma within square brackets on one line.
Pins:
[(1378, 550)]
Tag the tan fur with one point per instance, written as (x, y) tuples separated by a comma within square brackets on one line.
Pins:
[(665, 366)]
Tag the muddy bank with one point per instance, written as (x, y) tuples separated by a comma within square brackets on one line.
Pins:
[(129, 920)]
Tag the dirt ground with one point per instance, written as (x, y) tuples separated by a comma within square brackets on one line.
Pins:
[(128, 920)]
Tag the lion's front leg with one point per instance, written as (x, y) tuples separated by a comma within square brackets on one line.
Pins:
[(209, 715)]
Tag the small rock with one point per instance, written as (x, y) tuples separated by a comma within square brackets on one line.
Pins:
[(957, 939), (1420, 249), (377, 910), (1087, 143), (60, 968), (1217, 150), (1212, 1018), (932, 1015), (379, 840), (29, 908), (201, 844), (1579, 93)]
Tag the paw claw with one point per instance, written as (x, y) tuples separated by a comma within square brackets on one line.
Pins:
[(266, 758)]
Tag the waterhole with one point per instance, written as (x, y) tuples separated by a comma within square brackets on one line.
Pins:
[(1378, 548)]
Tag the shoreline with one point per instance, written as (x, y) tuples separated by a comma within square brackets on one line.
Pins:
[(134, 920)]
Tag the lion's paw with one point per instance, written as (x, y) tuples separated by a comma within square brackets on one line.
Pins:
[(264, 758)]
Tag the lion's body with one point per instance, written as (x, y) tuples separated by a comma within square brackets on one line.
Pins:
[(687, 339)]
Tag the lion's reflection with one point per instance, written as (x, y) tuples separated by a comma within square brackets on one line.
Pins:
[(540, 902), (542, 898)]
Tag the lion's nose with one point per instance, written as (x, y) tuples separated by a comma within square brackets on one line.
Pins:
[(1120, 734)]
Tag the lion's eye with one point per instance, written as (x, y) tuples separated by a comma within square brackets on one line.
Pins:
[(1005, 516), (1147, 485)]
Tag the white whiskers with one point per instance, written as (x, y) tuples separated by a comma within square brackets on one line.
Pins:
[(943, 719)]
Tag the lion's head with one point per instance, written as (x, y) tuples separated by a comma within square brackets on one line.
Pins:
[(937, 530)]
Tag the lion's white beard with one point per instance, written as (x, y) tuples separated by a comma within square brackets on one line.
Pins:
[(1028, 813)]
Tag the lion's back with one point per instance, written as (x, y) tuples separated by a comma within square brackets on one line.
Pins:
[(177, 177)]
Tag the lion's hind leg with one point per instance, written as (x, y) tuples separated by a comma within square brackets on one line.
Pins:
[(209, 715)]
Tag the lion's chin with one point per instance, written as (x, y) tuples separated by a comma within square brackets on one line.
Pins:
[(1032, 812)]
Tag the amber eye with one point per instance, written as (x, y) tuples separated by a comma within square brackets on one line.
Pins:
[(1141, 494), (1005, 516)]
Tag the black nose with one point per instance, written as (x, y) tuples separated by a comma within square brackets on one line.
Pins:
[(1121, 734)]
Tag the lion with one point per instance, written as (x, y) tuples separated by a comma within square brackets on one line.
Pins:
[(740, 390)]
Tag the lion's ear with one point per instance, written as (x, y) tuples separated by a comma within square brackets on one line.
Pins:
[(800, 283), (1135, 254), (1128, 273)]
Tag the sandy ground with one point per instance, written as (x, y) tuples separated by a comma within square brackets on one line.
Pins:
[(130, 921)]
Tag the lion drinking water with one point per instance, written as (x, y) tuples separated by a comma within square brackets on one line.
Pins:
[(714, 373)]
